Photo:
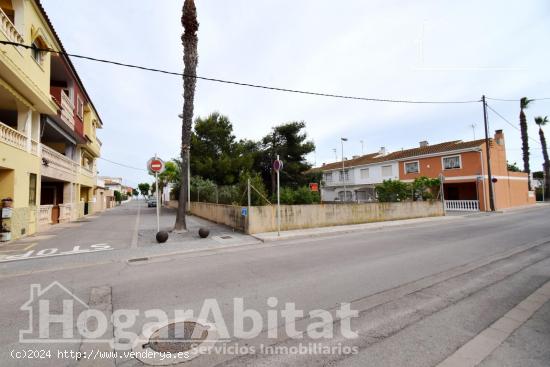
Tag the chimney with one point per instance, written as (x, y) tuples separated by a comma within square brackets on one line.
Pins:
[(499, 137), (382, 151), (424, 143), (355, 157), (324, 164)]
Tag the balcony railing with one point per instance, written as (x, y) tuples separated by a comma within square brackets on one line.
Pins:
[(67, 110), (12, 137), (58, 160), (45, 214), (65, 211), (86, 171), (9, 29)]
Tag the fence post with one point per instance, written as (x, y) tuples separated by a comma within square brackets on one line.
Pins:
[(247, 222)]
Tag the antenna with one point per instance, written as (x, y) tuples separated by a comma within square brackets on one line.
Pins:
[(335, 154), (473, 126)]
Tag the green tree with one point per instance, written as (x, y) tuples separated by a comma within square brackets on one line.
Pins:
[(393, 191), (118, 196), (144, 189), (190, 60), (513, 167), (135, 192), (216, 154), (542, 121), (203, 190), (289, 141), (524, 104)]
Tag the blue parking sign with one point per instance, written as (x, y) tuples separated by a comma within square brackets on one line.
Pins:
[(244, 212)]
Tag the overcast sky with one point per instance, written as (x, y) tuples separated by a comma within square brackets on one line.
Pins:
[(422, 50)]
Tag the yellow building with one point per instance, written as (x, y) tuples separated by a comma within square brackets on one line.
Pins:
[(48, 143)]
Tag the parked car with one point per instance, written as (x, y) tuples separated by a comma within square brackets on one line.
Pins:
[(151, 203)]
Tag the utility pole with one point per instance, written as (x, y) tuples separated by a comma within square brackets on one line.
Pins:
[(342, 140), (488, 149)]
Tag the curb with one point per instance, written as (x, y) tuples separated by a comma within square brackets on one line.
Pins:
[(345, 229)]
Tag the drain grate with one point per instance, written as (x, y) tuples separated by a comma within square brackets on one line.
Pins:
[(226, 237), (177, 337)]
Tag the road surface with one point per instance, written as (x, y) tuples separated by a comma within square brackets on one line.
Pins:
[(422, 291)]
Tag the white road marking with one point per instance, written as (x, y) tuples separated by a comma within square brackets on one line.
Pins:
[(50, 252)]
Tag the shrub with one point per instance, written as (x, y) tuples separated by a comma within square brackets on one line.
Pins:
[(393, 191)]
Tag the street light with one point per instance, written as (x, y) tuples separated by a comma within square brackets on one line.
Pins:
[(342, 140), (188, 172)]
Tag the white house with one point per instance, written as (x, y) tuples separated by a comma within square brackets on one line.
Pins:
[(359, 175)]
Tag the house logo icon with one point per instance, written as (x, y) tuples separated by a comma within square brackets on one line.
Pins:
[(52, 313)]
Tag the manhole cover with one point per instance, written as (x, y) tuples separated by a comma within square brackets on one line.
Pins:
[(178, 337), (182, 339)]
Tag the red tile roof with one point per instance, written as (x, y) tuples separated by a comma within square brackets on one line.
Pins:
[(404, 154)]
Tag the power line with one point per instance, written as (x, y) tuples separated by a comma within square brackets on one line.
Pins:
[(508, 122), (122, 164), (516, 100), (237, 83)]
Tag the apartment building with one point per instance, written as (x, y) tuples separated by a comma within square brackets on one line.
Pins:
[(48, 142), (462, 166)]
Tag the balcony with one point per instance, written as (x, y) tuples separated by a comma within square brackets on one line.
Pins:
[(67, 110), (338, 180), (58, 166), (13, 137), (9, 30)]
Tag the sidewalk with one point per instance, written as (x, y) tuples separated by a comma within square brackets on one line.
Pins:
[(220, 235), (336, 230)]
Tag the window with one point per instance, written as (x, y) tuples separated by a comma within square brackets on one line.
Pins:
[(32, 189), (452, 162), (364, 173), (79, 107), (344, 175), (386, 171), (328, 177), (37, 55), (347, 198), (412, 167)]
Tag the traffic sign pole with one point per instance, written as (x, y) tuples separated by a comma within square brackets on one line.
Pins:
[(278, 201), (158, 201), (156, 165)]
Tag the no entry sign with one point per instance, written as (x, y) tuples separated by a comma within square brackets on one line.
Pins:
[(155, 165), (278, 165)]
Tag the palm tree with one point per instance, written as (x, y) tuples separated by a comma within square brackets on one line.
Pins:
[(523, 104), (189, 40), (542, 121)]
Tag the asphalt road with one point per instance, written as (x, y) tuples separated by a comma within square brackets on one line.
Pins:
[(422, 291)]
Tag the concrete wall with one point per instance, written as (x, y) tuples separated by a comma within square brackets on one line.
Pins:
[(264, 218), (224, 214)]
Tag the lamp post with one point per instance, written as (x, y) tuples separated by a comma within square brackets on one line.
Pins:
[(342, 140)]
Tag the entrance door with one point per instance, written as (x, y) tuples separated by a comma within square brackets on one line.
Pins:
[(55, 214)]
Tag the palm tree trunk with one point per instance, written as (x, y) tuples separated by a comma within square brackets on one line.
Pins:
[(525, 145), (190, 59), (546, 165)]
